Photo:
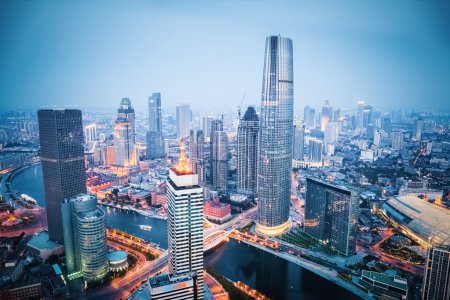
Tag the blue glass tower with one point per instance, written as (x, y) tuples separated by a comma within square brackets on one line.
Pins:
[(275, 137)]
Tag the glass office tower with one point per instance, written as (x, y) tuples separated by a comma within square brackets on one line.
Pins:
[(62, 157), (275, 137), (155, 141)]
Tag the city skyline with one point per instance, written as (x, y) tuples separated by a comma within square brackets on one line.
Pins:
[(345, 54)]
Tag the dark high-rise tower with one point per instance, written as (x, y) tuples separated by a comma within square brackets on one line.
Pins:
[(247, 152), (436, 281), (155, 141), (62, 156), (275, 137)]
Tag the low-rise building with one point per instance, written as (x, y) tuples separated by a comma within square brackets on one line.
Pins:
[(383, 285), (216, 211), (41, 246)]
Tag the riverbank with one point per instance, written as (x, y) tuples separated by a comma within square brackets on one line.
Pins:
[(139, 211), (327, 273)]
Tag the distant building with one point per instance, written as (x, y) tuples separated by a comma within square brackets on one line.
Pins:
[(315, 150), (62, 157), (299, 141), (197, 156), (185, 222), (183, 120), (155, 140), (309, 116), (219, 160), (436, 281), (360, 115), (125, 153), (206, 126), (367, 115), (85, 237), (397, 140), (180, 286), (331, 215), (331, 133), (90, 133), (327, 115), (247, 152), (418, 127)]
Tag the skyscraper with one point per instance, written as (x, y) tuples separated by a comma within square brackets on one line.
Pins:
[(85, 237), (206, 126), (418, 126), (183, 120), (299, 141), (124, 135), (62, 157), (155, 140), (367, 115), (185, 221), (275, 137), (247, 152), (309, 116), (90, 133), (397, 140), (360, 115), (197, 158), (315, 150), (436, 281), (331, 133), (331, 215), (327, 115), (219, 160)]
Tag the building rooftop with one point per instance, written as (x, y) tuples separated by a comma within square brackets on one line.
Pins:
[(394, 281), (117, 256), (42, 241), (427, 220), (166, 279)]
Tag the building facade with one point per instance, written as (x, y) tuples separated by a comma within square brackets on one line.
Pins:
[(331, 215), (62, 157), (247, 152), (185, 221), (85, 237), (155, 140), (183, 120), (275, 137), (197, 156), (219, 160), (299, 141), (181, 286), (327, 115), (125, 153), (315, 150), (436, 281)]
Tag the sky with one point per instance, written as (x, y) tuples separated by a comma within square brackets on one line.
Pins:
[(90, 54)]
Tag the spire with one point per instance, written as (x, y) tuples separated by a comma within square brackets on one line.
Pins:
[(182, 167)]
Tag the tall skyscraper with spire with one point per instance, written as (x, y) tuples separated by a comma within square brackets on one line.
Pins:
[(275, 137), (247, 152), (124, 135), (185, 221), (62, 157), (155, 141)]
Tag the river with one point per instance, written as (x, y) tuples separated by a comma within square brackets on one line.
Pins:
[(273, 276)]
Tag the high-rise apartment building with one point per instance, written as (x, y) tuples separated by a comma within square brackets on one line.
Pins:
[(183, 120), (436, 281), (331, 215), (197, 157), (85, 237), (185, 221), (397, 140), (327, 115), (206, 126), (418, 127), (155, 140), (62, 157), (315, 150), (247, 152), (125, 153), (90, 133), (299, 141), (331, 133), (275, 137), (219, 160), (309, 116)]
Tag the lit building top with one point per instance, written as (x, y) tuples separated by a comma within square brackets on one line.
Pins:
[(182, 167)]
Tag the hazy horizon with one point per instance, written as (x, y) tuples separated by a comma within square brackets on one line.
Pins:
[(209, 53)]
